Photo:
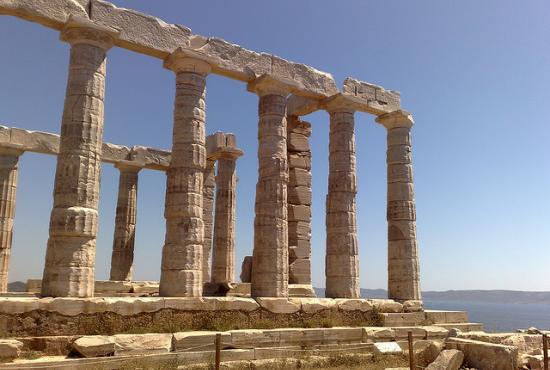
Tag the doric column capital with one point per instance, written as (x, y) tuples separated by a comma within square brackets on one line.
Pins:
[(129, 166), (178, 61), (14, 150), (227, 153), (396, 119), (339, 103), (83, 31), (268, 85)]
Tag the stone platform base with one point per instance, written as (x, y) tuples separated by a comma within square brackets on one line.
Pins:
[(114, 315), (143, 288)]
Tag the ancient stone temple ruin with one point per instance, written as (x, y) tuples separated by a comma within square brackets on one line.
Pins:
[(198, 256)]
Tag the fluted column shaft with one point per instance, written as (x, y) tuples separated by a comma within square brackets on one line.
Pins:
[(403, 265), (182, 254), (270, 256), (9, 159), (342, 262), (223, 257), (122, 259), (208, 217), (70, 256), (299, 201)]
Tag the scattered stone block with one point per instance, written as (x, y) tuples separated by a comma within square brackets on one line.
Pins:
[(94, 346), (482, 355), (387, 348), (133, 344), (10, 349), (412, 306), (426, 351), (448, 360)]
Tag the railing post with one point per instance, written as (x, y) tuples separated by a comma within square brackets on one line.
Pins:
[(545, 350), (411, 351), (218, 350)]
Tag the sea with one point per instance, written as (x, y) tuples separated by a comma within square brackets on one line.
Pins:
[(499, 316)]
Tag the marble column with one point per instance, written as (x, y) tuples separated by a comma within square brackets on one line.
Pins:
[(122, 259), (70, 255), (182, 254), (403, 266), (208, 217), (342, 262), (270, 256), (299, 201), (223, 257), (9, 160)]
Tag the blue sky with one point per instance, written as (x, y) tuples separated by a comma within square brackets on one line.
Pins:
[(474, 74)]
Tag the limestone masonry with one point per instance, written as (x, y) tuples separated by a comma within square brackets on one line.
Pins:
[(198, 256), (273, 313)]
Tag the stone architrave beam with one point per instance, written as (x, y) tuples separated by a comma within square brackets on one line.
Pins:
[(149, 35), (358, 95), (48, 143)]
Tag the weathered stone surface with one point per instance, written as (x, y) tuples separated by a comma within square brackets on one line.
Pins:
[(9, 160), (413, 306), (233, 303), (347, 304), (279, 305), (140, 32), (122, 259), (10, 349), (134, 344), (208, 193), (301, 290), (94, 346), (341, 262), (181, 272), (403, 265), (70, 255), (402, 319), (482, 355), (270, 255), (426, 351), (311, 305), (223, 257), (376, 99), (198, 340), (447, 360), (50, 13), (246, 269), (387, 305), (387, 348), (373, 334)]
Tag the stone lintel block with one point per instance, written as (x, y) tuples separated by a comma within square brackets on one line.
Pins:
[(301, 106), (146, 34), (50, 13), (155, 159), (278, 305), (378, 97)]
